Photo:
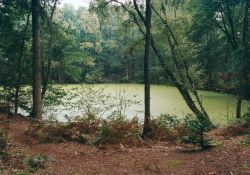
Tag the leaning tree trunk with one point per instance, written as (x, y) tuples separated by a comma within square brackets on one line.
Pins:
[(37, 97), (183, 91), (200, 113)]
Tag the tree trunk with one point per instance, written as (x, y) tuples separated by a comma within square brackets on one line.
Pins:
[(201, 114), (146, 129), (183, 91), (37, 97), (19, 73), (243, 62), (47, 69)]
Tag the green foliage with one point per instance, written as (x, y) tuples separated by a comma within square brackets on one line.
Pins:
[(216, 143), (94, 76), (104, 134), (54, 96), (195, 132), (92, 100), (18, 172), (90, 130), (246, 117), (239, 127), (36, 162), (168, 121), (103, 44)]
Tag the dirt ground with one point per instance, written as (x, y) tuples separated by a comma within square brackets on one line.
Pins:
[(159, 158)]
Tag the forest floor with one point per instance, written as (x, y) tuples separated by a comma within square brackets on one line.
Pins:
[(230, 157)]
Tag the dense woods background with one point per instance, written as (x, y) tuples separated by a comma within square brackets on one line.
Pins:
[(99, 45)]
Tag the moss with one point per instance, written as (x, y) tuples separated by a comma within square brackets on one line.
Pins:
[(216, 143), (174, 163), (17, 172)]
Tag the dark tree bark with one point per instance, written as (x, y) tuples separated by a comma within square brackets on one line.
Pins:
[(243, 61), (183, 91), (148, 13), (201, 114), (182, 64), (37, 96)]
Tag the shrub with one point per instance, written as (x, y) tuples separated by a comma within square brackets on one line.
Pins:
[(240, 127), (168, 121), (195, 132), (119, 131), (246, 117), (126, 132), (80, 130), (236, 129), (167, 128), (36, 162), (160, 132), (103, 135)]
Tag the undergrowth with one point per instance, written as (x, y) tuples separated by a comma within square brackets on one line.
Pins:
[(4, 155), (240, 127), (36, 162), (118, 130)]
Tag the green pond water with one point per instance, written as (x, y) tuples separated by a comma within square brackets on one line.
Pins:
[(166, 99)]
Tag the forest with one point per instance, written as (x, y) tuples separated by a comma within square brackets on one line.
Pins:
[(150, 87)]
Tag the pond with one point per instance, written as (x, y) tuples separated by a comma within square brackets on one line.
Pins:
[(104, 99)]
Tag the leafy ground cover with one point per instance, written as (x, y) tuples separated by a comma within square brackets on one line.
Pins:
[(27, 155)]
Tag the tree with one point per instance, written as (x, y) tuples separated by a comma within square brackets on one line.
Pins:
[(243, 60), (184, 84), (19, 71), (148, 14), (200, 113), (14, 58), (231, 19), (37, 96), (47, 69)]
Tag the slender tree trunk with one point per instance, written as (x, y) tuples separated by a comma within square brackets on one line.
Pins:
[(19, 73), (200, 113), (209, 83), (47, 70), (37, 97), (146, 129), (127, 68), (183, 91), (132, 70), (243, 62)]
